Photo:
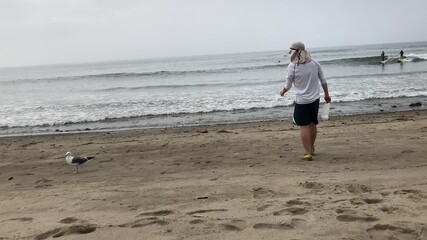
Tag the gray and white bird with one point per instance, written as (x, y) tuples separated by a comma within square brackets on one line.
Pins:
[(76, 160)]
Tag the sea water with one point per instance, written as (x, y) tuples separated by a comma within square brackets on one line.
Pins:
[(199, 90)]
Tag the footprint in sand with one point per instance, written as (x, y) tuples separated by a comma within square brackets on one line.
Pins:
[(296, 202), (263, 193), (372, 200), (292, 210), (411, 193), (407, 191), (230, 227), (311, 185), (157, 213), (357, 201), (295, 222), (196, 221), (23, 219), (351, 188), (408, 151), (345, 211), (43, 183), (68, 220), (356, 218), (262, 208), (360, 201), (386, 231), (150, 219), (146, 222), (59, 232), (206, 211), (283, 226), (389, 209)]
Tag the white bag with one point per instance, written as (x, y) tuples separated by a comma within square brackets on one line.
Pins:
[(325, 111)]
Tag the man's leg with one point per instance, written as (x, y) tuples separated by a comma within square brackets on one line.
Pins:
[(313, 135), (305, 132)]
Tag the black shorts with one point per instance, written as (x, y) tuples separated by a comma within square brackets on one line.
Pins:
[(304, 114)]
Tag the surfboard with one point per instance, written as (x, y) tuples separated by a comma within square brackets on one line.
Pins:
[(401, 59)]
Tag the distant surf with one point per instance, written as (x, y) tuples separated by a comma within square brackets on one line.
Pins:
[(373, 60)]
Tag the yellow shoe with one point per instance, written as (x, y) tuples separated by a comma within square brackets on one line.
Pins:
[(307, 157)]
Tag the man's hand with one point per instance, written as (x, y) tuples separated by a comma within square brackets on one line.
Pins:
[(283, 91), (328, 99)]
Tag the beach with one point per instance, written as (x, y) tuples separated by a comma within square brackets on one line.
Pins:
[(226, 181)]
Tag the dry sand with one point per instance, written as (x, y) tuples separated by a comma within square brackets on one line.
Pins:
[(368, 180)]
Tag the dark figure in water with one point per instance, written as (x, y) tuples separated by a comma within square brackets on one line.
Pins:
[(401, 54), (382, 56)]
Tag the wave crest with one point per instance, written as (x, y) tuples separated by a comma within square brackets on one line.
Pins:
[(374, 60), (153, 74)]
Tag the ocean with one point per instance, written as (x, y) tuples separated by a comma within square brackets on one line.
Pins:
[(203, 90)]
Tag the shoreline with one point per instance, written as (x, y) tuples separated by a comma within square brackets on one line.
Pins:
[(286, 121), (229, 181), (338, 109)]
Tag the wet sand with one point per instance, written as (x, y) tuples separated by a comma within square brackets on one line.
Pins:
[(368, 180)]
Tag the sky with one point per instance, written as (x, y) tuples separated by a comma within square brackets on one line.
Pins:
[(38, 32)]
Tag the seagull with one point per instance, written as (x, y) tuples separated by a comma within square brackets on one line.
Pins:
[(76, 160)]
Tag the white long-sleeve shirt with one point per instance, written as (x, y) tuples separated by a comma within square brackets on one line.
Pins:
[(306, 78)]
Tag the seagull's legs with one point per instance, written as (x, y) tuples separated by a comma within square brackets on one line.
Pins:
[(77, 169)]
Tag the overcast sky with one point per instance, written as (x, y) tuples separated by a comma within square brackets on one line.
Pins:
[(35, 32)]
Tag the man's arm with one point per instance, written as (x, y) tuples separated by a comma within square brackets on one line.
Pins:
[(326, 91), (289, 79)]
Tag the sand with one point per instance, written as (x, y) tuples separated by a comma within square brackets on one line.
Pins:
[(368, 180)]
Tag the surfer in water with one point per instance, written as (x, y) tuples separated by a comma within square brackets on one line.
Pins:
[(401, 54), (382, 56)]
